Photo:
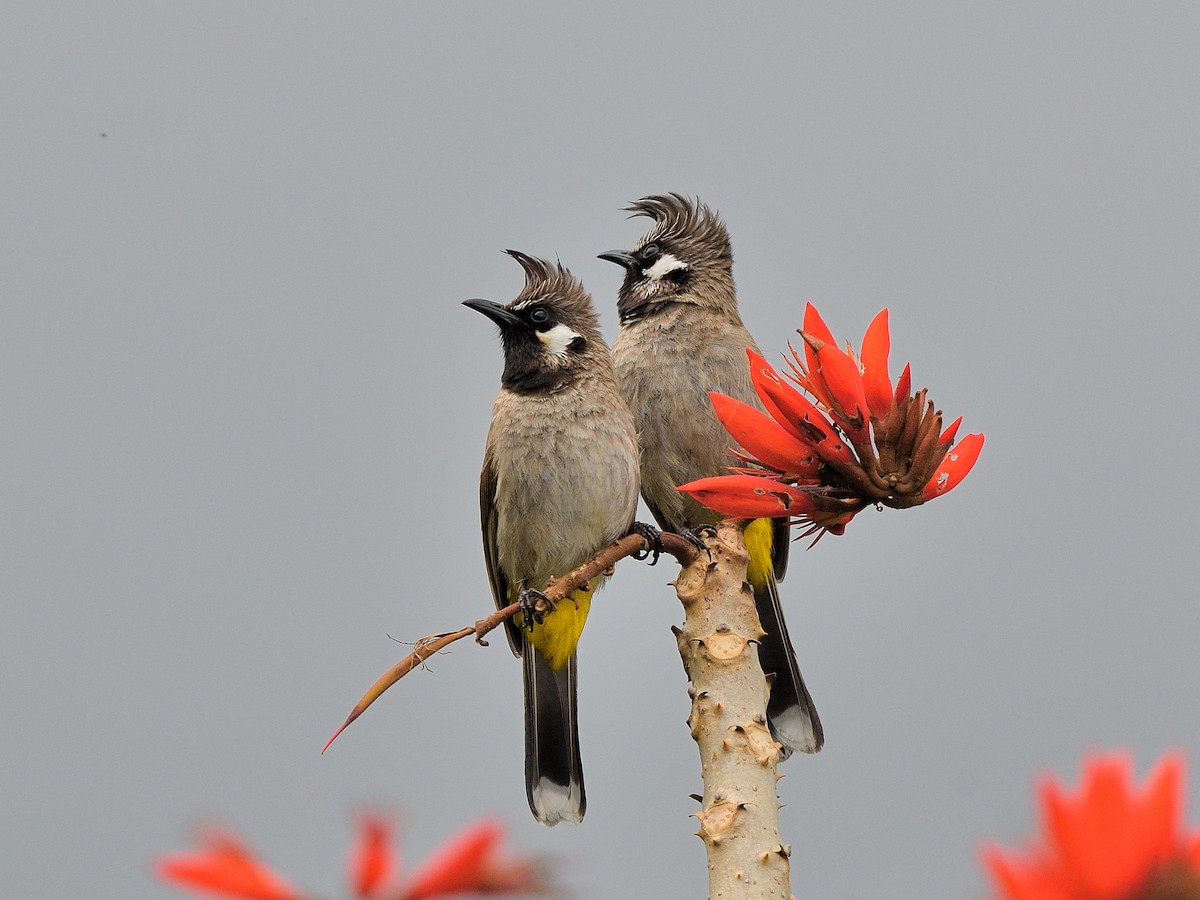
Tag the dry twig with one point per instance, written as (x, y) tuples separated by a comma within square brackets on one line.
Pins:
[(596, 564)]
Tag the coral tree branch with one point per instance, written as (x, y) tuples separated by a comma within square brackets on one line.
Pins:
[(595, 565), (718, 643)]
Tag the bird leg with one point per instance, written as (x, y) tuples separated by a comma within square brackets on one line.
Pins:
[(654, 547), (693, 537), (528, 600)]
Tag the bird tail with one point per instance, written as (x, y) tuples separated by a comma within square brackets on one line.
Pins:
[(790, 711), (553, 769)]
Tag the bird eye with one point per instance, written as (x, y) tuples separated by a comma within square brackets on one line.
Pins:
[(650, 251), (538, 316)]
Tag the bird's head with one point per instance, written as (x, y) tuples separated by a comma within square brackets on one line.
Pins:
[(550, 330), (684, 258)]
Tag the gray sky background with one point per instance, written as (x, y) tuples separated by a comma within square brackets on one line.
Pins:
[(243, 414)]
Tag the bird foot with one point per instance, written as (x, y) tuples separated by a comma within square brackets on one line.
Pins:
[(654, 546), (694, 538), (529, 600)]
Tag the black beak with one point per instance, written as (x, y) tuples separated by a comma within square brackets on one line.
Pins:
[(621, 258), (494, 311)]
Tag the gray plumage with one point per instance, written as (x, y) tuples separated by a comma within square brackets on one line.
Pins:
[(559, 481), (681, 337)]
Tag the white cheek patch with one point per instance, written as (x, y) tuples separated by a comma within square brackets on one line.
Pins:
[(557, 339), (664, 264)]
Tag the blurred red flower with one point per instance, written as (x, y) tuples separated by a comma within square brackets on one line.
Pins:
[(859, 442), (225, 867), (1110, 841), (373, 863), (469, 862), (473, 862)]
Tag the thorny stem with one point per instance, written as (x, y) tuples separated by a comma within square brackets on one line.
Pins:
[(718, 643)]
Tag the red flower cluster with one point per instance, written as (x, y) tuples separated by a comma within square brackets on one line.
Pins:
[(858, 443), (1108, 842), (470, 862)]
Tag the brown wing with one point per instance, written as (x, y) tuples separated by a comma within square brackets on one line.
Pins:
[(491, 554), (663, 522)]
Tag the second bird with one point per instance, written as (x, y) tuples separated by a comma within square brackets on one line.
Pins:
[(681, 337), (559, 482)]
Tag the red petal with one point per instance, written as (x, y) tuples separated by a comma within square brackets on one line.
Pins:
[(762, 437), (815, 325), (1020, 879), (762, 372), (904, 385), (877, 384), (226, 868), (372, 862), (750, 496), (845, 384), (459, 865), (950, 432), (796, 413), (1163, 800), (1108, 836), (954, 467)]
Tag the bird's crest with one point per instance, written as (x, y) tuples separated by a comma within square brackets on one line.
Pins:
[(554, 283), (680, 217)]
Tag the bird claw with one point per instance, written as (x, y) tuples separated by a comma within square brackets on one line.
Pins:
[(693, 537), (654, 546), (528, 600)]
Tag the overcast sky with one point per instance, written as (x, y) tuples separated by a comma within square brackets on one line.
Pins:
[(244, 412)]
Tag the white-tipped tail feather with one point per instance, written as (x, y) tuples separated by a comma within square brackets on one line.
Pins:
[(553, 803), (790, 711), (553, 770), (793, 728)]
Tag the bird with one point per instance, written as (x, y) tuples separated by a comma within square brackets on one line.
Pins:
[(559, 482), (681, 336)]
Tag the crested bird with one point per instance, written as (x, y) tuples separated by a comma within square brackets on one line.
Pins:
[(682, 336), (559, 481)]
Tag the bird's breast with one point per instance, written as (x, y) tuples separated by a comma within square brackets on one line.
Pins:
[(666, 371), (566, 480)]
